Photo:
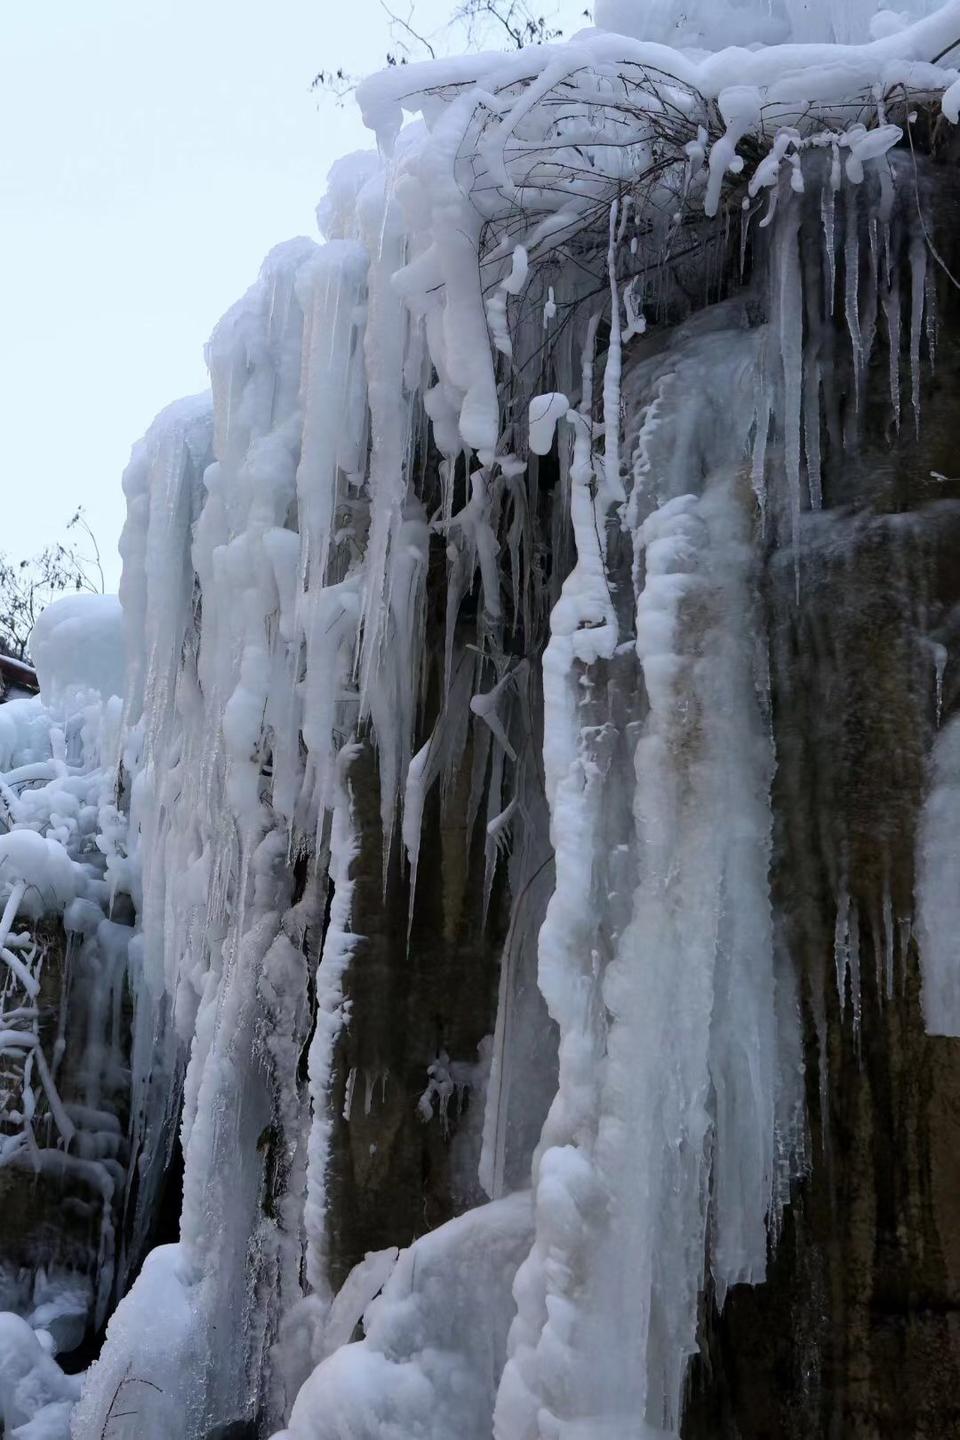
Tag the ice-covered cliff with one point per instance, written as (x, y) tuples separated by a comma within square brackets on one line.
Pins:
[(512, 879)]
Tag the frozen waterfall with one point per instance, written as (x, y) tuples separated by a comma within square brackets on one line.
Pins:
[(487, 965)]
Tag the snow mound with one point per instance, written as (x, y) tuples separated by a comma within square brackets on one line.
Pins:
[(41, 865), (77, 645), (35, 1394), (435, 1342), (132, 1394)]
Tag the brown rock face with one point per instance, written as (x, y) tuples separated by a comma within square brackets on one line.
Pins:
[(856, 1333)]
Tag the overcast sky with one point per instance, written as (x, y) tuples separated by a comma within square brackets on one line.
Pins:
[(152, 152)]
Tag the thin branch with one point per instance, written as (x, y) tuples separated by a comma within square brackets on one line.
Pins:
[(937, 58), (406, 25), (920, 215), (81, 520)]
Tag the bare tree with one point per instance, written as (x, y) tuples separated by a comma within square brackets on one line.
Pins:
[(482, 21), (27, 586), (517, 19)]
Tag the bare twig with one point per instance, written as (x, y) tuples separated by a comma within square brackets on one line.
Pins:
[(27, 587), (522, 25), (407, 25), (81, 520)]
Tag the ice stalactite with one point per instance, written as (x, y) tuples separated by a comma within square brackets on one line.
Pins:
[(642, 1261), (337, 947)]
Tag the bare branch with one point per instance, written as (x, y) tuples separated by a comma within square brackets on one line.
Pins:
[(516, 18), (28, 586), (407, 25)]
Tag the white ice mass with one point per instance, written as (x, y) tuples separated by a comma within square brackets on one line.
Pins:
[(442, 616)]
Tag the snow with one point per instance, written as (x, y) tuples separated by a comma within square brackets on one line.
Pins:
[(136, 1392), (77, 645), (745, 22), (42, 866), (434, 1340), (35, 1395), (545, 411), (788, 74)]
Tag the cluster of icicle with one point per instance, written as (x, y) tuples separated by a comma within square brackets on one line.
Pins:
[(517, 280)]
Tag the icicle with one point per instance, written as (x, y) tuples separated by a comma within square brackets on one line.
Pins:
[(758, 468), (930, 298), (739, 105), (828, 216), (348, 1093), (889, 939), (386, 564), (918, 276), (583, 628), (853, 951), (421, 772), (744, 236), (482, 744), (796, 174), (790, 314), (891, 305), (770, 216), (338, 948), (512, 284), (485, 707), (846, 953), (811, 427), (625, 210), (613, 492), (877, 936), (868, 323), (940, 657), (498, 827), (636, 323), (491, 848), (851, 265), (841, 946)]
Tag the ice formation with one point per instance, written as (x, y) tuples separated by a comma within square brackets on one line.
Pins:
[(448, 621)]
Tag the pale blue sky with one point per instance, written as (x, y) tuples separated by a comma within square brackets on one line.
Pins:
[(152, 152)]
